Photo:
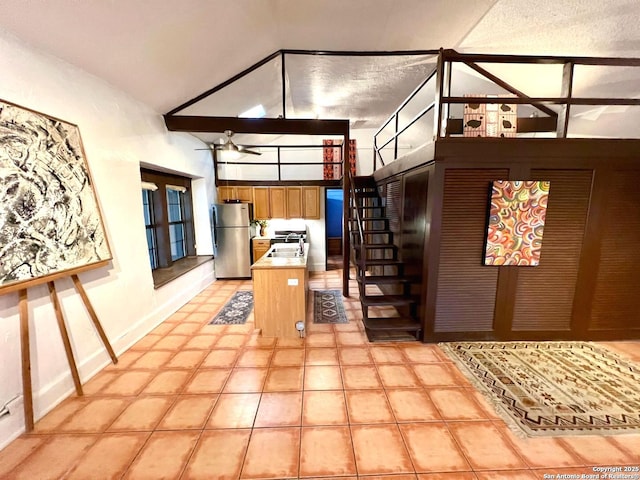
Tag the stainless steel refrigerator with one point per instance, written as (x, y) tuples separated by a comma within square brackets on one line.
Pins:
[(233, 239)]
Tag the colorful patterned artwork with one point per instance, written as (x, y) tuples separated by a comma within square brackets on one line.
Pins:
[(516, 222)]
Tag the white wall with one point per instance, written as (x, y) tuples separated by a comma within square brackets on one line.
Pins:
[(118, 134), (317, 260)]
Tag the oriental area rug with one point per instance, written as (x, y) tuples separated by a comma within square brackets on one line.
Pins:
[(554, 388), (236, 310), (328, 307)]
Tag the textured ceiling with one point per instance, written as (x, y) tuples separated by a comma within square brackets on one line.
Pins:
[(165, 52)]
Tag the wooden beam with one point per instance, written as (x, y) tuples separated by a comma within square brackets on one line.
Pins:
[(567, 90), (94, 317), (498, 81), (280, 183), (282, 53), (27, 391), (437, 109), (65, 337), (180, 123), (222, 85), (453, 56), (533, 100)]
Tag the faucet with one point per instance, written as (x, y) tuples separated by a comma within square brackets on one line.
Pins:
[(301, 244), (292, 235)]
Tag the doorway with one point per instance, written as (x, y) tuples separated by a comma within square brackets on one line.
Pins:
[(333, 203)]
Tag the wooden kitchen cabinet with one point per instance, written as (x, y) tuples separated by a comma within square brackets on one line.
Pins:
[(277, 202), (286, 202), (311, 202), (245, 194), (225, 193), (261, 203), (260, 247), (294, 202), (242, 193)]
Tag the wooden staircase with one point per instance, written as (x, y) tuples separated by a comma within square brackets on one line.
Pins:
[(389, 310)]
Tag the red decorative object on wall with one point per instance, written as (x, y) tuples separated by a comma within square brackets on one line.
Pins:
[(352, 157)]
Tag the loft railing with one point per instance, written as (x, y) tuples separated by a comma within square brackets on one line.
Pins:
[(438, 118), (220, 165)]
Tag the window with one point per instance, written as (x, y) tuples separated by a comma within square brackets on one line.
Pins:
[(168, 218), (177, 227), (152, 244)]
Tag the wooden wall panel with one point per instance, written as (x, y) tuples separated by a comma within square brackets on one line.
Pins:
[(466, 289), (413, 224), (616, 300), (544, 294), (394, 204)]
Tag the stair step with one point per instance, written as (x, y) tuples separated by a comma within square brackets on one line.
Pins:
[(380, 262), (367, 194), (406, 324), (383, 279), (363, 180), (385, 300), (368, 231), (368, 218), (379, 246)]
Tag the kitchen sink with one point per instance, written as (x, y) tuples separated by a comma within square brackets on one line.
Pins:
[(283, 250), (286, 253), (286, 247)]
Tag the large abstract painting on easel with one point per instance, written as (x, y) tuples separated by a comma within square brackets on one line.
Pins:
[(50, 222)]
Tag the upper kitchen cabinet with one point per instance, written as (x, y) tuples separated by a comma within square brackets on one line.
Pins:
[(286, 202), (261, 203), (311, 202), (242, 193), (294, 202), (278, 202)]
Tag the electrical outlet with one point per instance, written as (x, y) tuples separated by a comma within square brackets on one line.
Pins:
[(292, 282)]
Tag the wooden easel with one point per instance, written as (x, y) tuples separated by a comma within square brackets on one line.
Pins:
[(26, 353)]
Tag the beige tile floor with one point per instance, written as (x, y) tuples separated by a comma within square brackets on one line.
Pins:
[(198, 401)]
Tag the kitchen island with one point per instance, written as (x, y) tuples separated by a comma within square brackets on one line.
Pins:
[(280, 284)]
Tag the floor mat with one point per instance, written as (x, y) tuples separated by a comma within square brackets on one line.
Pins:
[(554, 388), (328, 307), (236, 310)]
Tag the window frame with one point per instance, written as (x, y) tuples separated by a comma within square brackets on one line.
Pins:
[(160, 215), (150, 228)]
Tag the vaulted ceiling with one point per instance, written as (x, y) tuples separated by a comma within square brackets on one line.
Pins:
[(165, 52)]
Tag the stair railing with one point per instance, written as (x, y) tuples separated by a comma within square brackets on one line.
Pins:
[(352, 196)]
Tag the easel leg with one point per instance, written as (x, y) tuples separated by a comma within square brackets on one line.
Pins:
[(94, 317), (27, 392), (65, 337)]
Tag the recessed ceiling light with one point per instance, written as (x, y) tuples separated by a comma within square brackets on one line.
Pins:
[(254, 112)]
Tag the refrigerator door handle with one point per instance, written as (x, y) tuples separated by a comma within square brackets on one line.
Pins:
[(215, 228)]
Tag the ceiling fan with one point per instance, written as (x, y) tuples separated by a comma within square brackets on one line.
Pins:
[(229, 146)]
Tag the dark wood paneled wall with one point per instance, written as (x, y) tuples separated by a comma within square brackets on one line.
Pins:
[(466, 289), (544, 294), (587, 285), (616, 299)]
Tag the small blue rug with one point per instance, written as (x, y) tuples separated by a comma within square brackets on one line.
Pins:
[(236, 310)]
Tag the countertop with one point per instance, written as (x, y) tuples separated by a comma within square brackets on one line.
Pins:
[(282, 262)]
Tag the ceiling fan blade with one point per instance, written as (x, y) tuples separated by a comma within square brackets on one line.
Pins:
[(242, 149)]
